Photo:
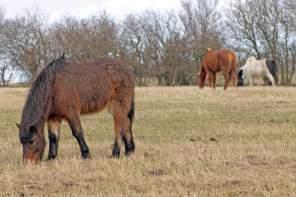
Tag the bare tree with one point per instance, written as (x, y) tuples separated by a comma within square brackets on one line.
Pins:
[(156, 43), (133, 43), (86, 38), (169, 58), (24, 42), (263, 29), (163, 46), (201, 21), (290, 5), (5, 76)]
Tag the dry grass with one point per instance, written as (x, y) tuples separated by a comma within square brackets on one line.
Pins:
[(189, 143)]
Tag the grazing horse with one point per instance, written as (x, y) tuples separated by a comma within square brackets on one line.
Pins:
[(254, 68), (215, 61), (64, 90)]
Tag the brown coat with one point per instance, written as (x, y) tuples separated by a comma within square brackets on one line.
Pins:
[(64, 90), (215, 61)]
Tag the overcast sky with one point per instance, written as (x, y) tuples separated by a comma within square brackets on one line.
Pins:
[(82, 8)]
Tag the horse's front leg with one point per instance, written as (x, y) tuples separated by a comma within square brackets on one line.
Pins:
[(53, 137), (77, 132), (234, 78)]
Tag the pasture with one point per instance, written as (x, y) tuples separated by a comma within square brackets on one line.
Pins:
[(189, 142)]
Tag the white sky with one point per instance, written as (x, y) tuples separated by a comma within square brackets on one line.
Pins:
[(82, 8)]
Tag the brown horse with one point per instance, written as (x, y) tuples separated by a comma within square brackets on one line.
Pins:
[(215, 61), (64, 90)]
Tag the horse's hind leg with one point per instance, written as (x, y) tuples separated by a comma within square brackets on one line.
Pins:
[(53, 137), (117, 116), (128, 137), (234, 78), (77, 132), (214, 80), (227, 77), (122, 127), (210, 79)]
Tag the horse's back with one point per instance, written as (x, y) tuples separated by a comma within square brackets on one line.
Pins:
[(256, 68), (227, 58), (88, 86), (257, 63), (211, 60), (220, 59), (102, 72)]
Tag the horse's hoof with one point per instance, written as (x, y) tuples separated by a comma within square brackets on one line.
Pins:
[(116, 152), (51, 156), (129, 153), (85, 155), (129, 148)]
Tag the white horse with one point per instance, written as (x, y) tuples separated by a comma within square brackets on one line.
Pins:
[(254, 69)]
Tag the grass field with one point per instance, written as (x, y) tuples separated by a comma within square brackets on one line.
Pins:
[(189, 142)]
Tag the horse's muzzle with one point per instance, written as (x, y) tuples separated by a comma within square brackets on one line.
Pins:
[(31, 158)]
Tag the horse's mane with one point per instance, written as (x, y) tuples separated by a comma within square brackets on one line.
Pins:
[(251, 58), (37, 104)]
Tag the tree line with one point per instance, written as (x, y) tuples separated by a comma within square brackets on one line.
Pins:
[(164, 47)]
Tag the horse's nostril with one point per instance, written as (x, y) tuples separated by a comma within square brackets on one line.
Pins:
[(27, 140)]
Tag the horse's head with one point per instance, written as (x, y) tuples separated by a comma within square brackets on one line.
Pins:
[(33, 143), (240, 76)]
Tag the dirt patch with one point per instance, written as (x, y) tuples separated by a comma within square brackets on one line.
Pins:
[(254, 160), (213, 139), (195, 139), (157, 172)]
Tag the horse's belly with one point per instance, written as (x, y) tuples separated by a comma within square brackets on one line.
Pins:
[(214, 69), (256, 71), (256, 75), (93, 105)]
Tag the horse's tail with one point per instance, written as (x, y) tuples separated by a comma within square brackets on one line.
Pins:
[(131, 113), (232, 59), (202, 76), (131, 116)]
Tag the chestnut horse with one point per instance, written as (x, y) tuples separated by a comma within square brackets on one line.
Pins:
[(64, 90), (215, 61)]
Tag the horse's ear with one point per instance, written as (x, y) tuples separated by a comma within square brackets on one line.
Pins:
[(18, 125), (33, 129)]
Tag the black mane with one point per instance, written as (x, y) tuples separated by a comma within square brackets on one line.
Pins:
[(38, 100)]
